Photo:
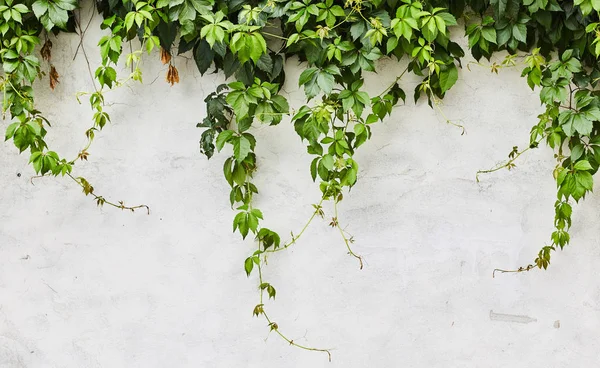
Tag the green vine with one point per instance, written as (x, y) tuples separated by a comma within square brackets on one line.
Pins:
[(339, 42)]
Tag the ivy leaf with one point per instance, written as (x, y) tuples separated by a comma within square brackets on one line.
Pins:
[(519, 32), (357, 30), (252, 222), (499, 7), (265, 63), (583, 165), (325, 82), (577, 152), (238, 101), (281, 103), (271, 291), (306, 76), (239, 174), (327, 162), (39, 8), (58, 15), (241, 148), (489, 34), (448, 78), (313, 168), (203, 56), (10, 131), (248, 265), (223, 138), (248, 46), (585, 180), (582, 125)]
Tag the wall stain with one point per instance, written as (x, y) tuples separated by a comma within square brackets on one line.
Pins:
[(515, 318)]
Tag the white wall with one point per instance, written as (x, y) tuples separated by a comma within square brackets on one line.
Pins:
[(104, 288)]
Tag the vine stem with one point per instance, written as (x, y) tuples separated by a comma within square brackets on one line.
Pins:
[(295, 238), (346, 241), (101, 200), (437, 104), (82, 46), (275, 327), (520, 269), (509, 163), (291, 342), (394, 83)]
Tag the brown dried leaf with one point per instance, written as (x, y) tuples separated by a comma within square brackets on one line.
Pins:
[(53, 77), (46, 50), (83, 155), (172, 75), (165, 56)]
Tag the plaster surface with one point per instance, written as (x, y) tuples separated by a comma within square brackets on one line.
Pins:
[(82, 286)]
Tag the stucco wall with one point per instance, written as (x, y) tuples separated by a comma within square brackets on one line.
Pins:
[(87, 287)]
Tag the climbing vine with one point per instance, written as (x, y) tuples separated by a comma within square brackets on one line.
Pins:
[(340, 42)]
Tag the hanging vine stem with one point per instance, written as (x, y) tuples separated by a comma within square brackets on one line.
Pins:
[(89, 189), (426, 87), (318, 211), (259, 309), (437, 103), (100, 200), (508, 62), (336, 223), (81, 45), (513, 156), (97, 102), (529, 267), (398, 78)]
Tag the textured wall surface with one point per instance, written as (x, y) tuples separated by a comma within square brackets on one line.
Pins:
[(82, 286)]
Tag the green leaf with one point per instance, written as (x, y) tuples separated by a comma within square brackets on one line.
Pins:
[(448, 78), (258, 47), (576, 152), (583, 165), (325, 81), (239, 174), (499, 7), (203, 56), (306, 76), (257, 213), (248, 265), (519, 32), (252, 222), (489, 33), (503, 35), (582, 125), (327, 162), (39, 8), (241, 148), (313, 168), (57, 15), (585, 179), (223, 138), (10, 131)]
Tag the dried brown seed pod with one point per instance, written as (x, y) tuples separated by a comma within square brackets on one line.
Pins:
[(165, 56), (53, 77), (46, 50), (172, 75)]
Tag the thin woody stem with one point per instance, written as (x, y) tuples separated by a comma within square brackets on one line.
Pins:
[(102, 201), (520, 269), (509, 163), (275, 327), (346, 241), (291, 342), (296, 237)]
